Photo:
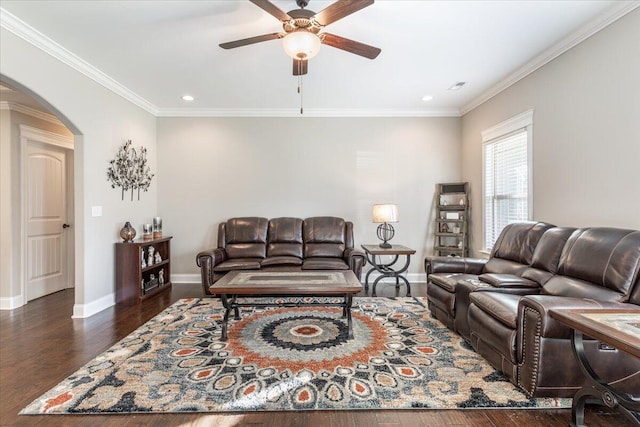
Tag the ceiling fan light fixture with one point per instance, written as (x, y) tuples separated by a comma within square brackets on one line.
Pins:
[(301, 44)]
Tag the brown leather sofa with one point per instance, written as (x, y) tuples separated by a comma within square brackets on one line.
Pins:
[(450, 280), (288, 244), (595, 267)]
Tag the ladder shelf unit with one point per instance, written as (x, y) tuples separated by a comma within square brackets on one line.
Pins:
[(452, 219)]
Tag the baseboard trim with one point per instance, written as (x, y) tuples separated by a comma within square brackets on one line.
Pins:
[(11, 303), (185, 278), (412, 277), (81, 311)]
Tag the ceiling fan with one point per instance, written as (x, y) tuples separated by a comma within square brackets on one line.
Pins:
[(303, 31)]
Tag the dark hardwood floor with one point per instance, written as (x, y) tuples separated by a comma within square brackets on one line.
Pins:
[(40, 345)]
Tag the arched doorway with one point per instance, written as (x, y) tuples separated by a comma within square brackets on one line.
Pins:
[(37, 140)]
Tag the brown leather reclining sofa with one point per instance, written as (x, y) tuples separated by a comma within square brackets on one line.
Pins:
[(280, 244), (501, 305)]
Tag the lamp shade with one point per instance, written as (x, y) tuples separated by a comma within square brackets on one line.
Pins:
[(301, 44), (385, 213)]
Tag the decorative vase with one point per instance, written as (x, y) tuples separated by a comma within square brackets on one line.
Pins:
[(147, 231), (128, 232), (157, 227)]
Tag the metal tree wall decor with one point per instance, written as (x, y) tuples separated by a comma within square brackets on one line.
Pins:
[(129, 170)]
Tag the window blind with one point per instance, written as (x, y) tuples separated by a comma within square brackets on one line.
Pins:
[(506, 184)]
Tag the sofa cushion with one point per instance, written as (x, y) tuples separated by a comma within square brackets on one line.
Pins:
[(608, 257), (324, 236), (272, 261), (548, 250), (245, 237), (284, 237), (246, 250), (502, 307), (322, 263), (576, 288), (517, 242), (504, 266), (448, 281), (238, 264)]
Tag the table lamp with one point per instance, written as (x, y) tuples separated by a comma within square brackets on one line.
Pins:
[(384, 214)]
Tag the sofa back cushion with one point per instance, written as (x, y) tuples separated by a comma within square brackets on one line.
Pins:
[(244, 237), (576, 288), (324, 236), (284, 237), (516, 243), (601, 256), (546, 256)]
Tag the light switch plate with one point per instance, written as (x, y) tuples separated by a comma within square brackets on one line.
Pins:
[(96, 210)]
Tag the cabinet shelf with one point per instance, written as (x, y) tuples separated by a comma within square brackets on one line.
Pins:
[(155, 266), (452, 207), (134, 283)]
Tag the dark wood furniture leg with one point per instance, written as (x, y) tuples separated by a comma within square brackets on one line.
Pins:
[(232, 304), (598, 391), (386, 270), (348, 301)]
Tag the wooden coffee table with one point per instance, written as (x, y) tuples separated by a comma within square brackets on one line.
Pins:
[(237, 284)]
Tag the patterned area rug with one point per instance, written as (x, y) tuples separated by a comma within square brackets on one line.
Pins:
[(287, 359)]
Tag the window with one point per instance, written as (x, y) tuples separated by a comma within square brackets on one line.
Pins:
[(506, 175)]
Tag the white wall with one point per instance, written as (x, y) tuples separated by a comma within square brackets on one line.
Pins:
[(586, 133), (211, 169), (101, 121)]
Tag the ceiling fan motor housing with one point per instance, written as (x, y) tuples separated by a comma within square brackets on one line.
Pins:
[(301, 20)]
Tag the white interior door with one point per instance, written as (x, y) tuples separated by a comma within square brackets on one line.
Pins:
[(46, 220)]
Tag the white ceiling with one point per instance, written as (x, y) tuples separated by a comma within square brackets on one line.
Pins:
[(153, 52)]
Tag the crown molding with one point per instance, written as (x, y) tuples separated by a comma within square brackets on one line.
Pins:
[(29, 34), (23, 30), (20, 108), (578, 36), (308, 112)]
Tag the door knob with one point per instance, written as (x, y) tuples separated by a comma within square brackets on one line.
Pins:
[(65, 226)]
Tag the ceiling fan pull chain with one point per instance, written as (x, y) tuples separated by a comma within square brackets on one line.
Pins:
[(300, 86)]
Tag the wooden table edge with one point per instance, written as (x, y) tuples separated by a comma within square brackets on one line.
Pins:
[(353, 286), (598, 330)]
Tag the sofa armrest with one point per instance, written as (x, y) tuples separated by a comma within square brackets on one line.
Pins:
[(356, 260), (507, 281), (543, 344), (540, 305), (206, 260), (451, 264)]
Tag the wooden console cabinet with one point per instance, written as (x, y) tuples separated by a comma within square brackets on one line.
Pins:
[(135, 282)]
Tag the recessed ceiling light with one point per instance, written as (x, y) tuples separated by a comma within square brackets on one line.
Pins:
[(187, 98), (427, 98), (457, 86)]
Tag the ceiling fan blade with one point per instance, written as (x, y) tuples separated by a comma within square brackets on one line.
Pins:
[(340, 9), (251, 40), (271, 9), (300, 67), (350, 45)]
